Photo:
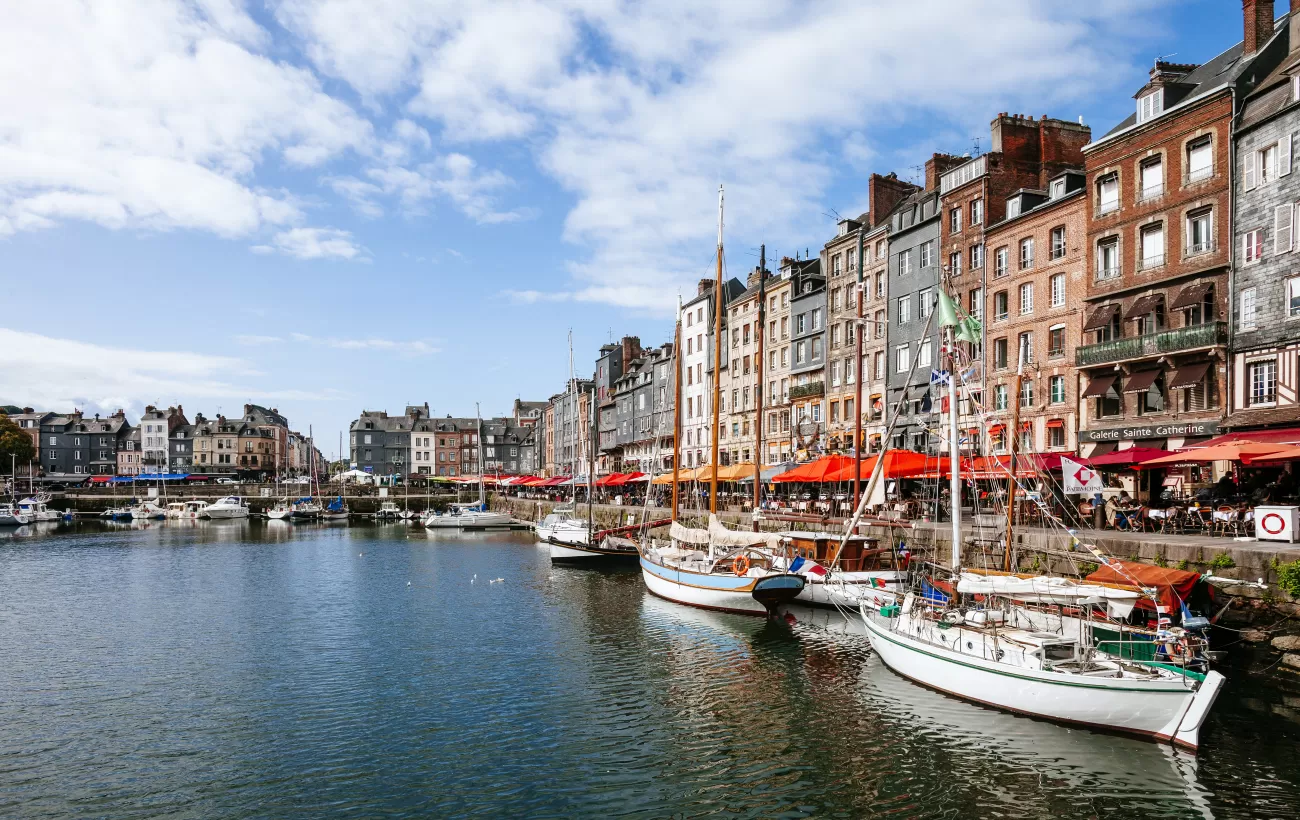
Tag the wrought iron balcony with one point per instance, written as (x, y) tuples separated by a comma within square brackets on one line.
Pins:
[(1153, 344), (805, 391)]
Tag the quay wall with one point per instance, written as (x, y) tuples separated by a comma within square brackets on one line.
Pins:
[(94, 500)]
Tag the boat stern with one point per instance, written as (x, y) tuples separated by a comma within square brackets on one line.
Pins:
[(773, 590), (1189, 728)]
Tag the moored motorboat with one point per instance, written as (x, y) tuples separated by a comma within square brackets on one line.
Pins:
[(37, 509), (148, 511), (232, 506), (388, 511)]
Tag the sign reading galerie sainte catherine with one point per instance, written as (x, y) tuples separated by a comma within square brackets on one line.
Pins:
[(1174, 430)]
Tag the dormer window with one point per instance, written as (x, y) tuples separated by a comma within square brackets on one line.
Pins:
[(1057, 189), (1013, 207), (1150, 105), (1295, 87)]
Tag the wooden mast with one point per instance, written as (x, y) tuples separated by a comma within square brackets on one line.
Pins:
[(859, 329), (677, 406), (758, 387), (718, 341), (1015, 440)]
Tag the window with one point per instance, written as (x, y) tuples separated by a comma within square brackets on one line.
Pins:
[(1000, 262), (1153, 247), (1057, 287), (1151, 178), (927, 254), (904, 262), (1027, 253), (1056, 340), (954, 220), (977, 303), (816, 318), (976, 257), (816, 348), (1262, 377), (835, 374), (1252, 246), (835, 265), (1150, 105), (1108, 258), (1013, 207), (1266, 164), (1293, 296), (1000, 353), (1152, 400), (1025, 348), (1056, 389), (851, 256), (1199, 160), (1199, 233), (902, 359), (1058, 242), (1111, 403), (924, 356), (999, 306), (880, 286), (1000, 397), (1026, 298), (849, 332), (954, 263), (1026, 393), (925, 300), (879, 325), (799, 353), (1283, 218), (848, 371), (1056, 436), (835, 336), (878, 365), (977, 212), (1108, 194), (835, 411), (904, 309), (1056, 189), (801, 323)]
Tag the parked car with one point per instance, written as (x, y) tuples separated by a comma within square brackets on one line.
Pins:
[(227, 481)]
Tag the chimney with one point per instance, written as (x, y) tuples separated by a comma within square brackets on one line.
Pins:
[(884, 194), (28, 410), (1257, 18), (755, 276), (706, 286)]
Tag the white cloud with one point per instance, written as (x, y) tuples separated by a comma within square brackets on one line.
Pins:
[(59, 374), (417, 347), (640, 109), (254, 340), (155, 115), (313, 243)]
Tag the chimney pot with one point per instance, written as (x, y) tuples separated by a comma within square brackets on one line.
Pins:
[(1257, 22)]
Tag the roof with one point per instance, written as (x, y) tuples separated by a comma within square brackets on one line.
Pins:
[(1218, 74)]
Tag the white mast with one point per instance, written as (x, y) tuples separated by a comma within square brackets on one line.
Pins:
[(478, 418)]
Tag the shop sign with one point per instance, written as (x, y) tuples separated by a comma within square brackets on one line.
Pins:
[(1172, 430)]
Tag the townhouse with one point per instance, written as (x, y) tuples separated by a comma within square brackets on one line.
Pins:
[(741, 393), (807, 355), (698, 319), (776, 398)]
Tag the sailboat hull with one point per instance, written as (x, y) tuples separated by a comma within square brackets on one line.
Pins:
[(721, 593), (574, 552), (1157, 709)]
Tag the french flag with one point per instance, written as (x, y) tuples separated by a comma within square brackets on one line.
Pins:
[(803, 566)]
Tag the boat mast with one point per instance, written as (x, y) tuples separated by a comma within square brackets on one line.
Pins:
[(573, 402), (478, 419), (1015, 440), (591, 465), (719, 307), (677, 404), (858, 378), (954, 458), (758, 383)]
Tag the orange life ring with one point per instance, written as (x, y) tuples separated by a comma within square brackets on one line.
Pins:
[(740, 564)]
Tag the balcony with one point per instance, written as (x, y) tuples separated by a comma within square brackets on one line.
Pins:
[(1154, 344), (807, 391)]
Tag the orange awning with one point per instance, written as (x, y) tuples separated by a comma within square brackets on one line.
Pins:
[(1242, 451)]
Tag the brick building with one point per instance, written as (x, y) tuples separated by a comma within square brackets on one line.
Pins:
[(776, 399), (1154, 365)]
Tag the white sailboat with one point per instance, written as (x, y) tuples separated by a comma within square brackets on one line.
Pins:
[(982, 643), (716, 568), (148, 510), (11, 516), (474, 516)]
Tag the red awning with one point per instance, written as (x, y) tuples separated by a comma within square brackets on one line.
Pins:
[(607, 480), (1054, 423), (100, 479), (996, 428), (1285, 435), (1127, 458), (1142, 380)]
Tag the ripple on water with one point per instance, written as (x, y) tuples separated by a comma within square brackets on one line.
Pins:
[(241, 670)]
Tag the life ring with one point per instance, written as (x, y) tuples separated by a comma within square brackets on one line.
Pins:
[(740, 564)]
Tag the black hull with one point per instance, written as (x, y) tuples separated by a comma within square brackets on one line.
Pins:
[(594, 555)]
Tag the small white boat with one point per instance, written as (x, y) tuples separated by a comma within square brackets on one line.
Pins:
[(11, 516), (305, 509), (468, 517), (232, 506), (186, 510), (280, 511), (37, 509), (148, 511), (389, 511), (560, 519)]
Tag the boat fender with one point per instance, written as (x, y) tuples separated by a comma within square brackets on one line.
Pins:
[(740, 565), (953, 616)]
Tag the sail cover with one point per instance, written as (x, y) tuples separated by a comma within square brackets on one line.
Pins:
[(1051, 590), (720, 536)]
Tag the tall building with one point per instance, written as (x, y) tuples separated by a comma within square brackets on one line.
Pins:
[(1154, 367), (740, 395), (698, 318), (807, 356), (776, 398)]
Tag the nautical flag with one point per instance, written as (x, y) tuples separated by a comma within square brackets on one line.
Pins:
[(939, 377), (1078, 478), (803, 566)]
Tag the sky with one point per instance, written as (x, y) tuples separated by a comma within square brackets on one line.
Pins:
[(334, 205)]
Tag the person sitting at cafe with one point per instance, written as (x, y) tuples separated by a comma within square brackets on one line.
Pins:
[(1125, 500), (1226, 487)]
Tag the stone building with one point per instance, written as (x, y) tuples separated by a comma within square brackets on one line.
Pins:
[(807, 356), (610, 365), (29, 421), (698, 318), (568, 439), (776, 398), (1034, 310), (75, 445), (1154, 368), (130, 457), (1265, 323), (741, 386), (644, 399)]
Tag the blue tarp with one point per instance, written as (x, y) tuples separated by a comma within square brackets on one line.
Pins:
[(303, 500), (127, 479), (336, 505)]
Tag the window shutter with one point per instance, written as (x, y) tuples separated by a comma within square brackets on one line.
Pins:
[(1249, 170), (1243, 248), (1282, 222), (1284, 156)]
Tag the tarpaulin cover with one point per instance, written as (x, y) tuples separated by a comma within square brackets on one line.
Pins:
[(1173, 585)]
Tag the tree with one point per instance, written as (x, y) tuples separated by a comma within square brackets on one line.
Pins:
[(15, 444)]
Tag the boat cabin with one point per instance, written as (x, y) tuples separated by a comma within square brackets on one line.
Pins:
[(860, 554)]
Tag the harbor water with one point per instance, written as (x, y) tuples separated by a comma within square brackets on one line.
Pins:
[(265, 669)]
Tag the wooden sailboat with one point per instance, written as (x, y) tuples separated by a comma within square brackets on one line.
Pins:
[(716, 568), (992, 638)]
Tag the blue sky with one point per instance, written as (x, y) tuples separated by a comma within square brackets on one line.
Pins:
[(330, 205)]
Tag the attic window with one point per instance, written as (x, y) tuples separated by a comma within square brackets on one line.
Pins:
[(1150, 105), (1013, 207), (1057, 189), (1295, 87)]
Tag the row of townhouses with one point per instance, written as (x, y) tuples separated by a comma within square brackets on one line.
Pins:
[(1144, 282), (258, 444), (418, 444)]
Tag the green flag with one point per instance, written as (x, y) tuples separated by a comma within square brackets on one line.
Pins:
[(947, 311), (968, 330)]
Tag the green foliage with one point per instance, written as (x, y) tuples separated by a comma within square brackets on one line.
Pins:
[(1288, 577), (15, 444), (1160, 560), (1182, 564), (1088, 568), (1222, 561)]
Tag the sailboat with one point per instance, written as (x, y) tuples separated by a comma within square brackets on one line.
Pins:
[(474, 516), (714, 567), (989, 636), (560, 523), (336, 510)]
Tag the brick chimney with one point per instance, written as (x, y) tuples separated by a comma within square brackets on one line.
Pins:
[(706, 285), (755, 276), (884, 194), (1257, 19), (631, 349)]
